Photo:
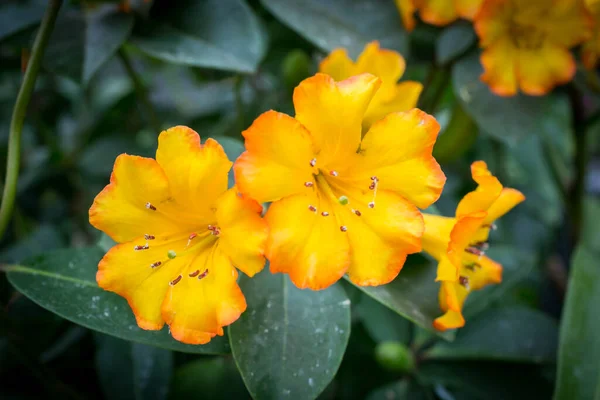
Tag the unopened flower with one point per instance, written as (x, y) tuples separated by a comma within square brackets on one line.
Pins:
[(180, 233), (526, 43), (389, 66), (590, 50), (459, 244), (341, 202)]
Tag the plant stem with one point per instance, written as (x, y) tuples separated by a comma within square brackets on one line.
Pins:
[(141, 91), (20, 110)]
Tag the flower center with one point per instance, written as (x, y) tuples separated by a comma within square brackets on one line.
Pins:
[(478, 250), (526, 37)]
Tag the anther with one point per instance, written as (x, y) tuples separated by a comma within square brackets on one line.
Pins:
[(343, 228), (203, 275), (313, 162), (192, 236), (333, 173), (324, 213), (471, 267), (463, 280), (308, 184), (357, 212), (194, 274), (171, 254), (156, 264), (149, 237), (312, 208), (343, 200), (374, 178), (372, 186), (210, 227), (475, 251), (483, 246), (175, 281), (149, 206), (216, 231), (139, 247), (372, 204)]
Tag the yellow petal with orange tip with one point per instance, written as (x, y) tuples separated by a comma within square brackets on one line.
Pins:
[(310, 247), (485, 272), (461, 237), (436, 12), (407, 13), (127, 207), (277, 162), (205, 298), (499, 63), (397, 150), (486, 193), (450, 320), (388, 65), (452, 296), (243, 231), (491, 21), (197, 173), (404, 96), (505, 202), (540, 70), (338, 65), (333, 113)]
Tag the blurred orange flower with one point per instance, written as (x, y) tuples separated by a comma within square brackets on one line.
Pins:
[(459, 243), (180, 233), (406, 9), (443, 12), (341, 202), (388, 65), (526, 43), (590, 51)]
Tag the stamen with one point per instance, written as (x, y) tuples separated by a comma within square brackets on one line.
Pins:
[(333, 173), (373, 187), (475, 251), (313, 162), (149, 237), (175, 281), (190, 238), (171, 254), (149, 206), (156, 264), (357, 212), (484, 246), (216, 231), (372, 204), (324, 213), (463, 280), (343, 200), (203, 275), (492, 226), (210, 227), (139, 247), (343, 228), (471, 267), (312, 208), (194, 274), (308, 184)]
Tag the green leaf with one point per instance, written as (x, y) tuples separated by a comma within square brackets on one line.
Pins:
[(18, 15), (413, 295), (400, 390), (212, 33), (343, 23), (289, 342), (509, 334), (216, 378), (81, 43), (64, 282), (382, 323), (131, 370), (507, 118), (454, 41), (579, 349), (42, 239)]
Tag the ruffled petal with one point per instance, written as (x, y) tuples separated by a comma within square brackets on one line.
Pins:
[(540, 70), (277, 162), (571, 22), (404, 96), (452, 297), (397, 150), (436, 12), (243, 231), (488, 190), (123, 210), (333, 113), (464, 233), (499, 62), (308, 246), (505, 202), (492, 22), (450, 320), (388, 65), (485, 272), (338, 65), (206, 298), (197, 173)]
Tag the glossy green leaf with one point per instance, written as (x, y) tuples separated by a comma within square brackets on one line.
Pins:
[(290, 342), (81, 44), (579, 350), (64, 282), (510, 334), (413, 295), (454, 41), (400, 390), (382, 323), (507, 118), (18, 15), (220, 34), (343, 23)]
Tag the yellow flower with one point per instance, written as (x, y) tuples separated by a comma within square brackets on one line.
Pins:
[(341, 202), (459, 243), (387, 65), (406, 9), (443, 12), (590, 51), (526, 43), (180, 233)]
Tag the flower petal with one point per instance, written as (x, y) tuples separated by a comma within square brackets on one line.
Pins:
[(243, 231), (404, 97), (486, 272), (407, 13), (540, 70), (311, 248), (197, 309), (450, 320), (499, 63), (486, 193), (436, 12), (464, 233), (120, 208), (333, 113), (397, 150), (505, 202), (197, 173), (277, 162), (338, 65), (468, 8), (388, 65), (437, 234)]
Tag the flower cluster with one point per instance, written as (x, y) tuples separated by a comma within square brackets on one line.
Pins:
[(345, 177)]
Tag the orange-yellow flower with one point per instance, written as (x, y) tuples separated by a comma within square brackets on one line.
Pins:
[(406, 8), (526, 43), (387, 65), (590, 51), (443, 12), (180, 233), (459, 243), (341, 202)]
